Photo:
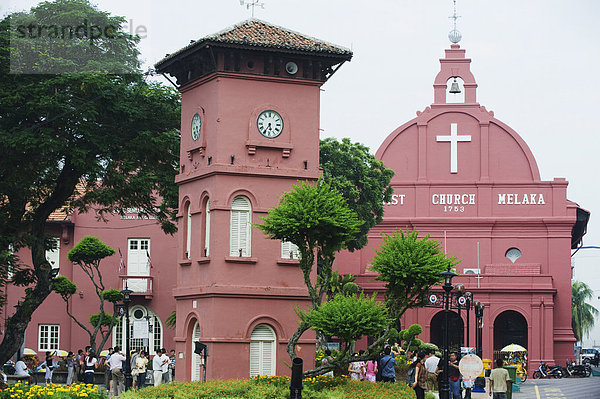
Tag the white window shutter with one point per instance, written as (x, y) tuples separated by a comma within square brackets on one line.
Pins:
[(53, 255), (188, 232), (262, 351), (289, 250), (255, 350), (239, 237), (207, 230)]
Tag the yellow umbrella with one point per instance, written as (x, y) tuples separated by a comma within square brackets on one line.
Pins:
[(513, 348), (61, 352), (104, 352), (28, 351)]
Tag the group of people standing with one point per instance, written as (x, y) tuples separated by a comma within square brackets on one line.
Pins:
[(85, 363), (163, 368), (383, 369), (428, 371)]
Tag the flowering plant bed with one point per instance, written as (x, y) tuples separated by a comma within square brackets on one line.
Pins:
[(321, 387), (26, 391)]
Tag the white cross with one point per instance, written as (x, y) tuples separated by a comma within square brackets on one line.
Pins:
[(454, 138)]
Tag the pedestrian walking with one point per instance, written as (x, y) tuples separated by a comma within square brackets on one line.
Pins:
[(454, 376), (140, 365), (90, 366), (498, 381), (172, 364), (388, 363), (431, 364), (166, 378), (420, 383), (70, 367), (116, 369), (157, 372)]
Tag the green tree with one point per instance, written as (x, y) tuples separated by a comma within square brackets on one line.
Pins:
[(582, 313), (316, 219), (81, 140), (409, 266), (87, 254), (348, 317), (361, 178)]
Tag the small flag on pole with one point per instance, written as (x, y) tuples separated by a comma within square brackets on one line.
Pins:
[(121, 261), (149, 264)]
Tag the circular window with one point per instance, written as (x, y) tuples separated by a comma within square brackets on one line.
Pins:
[(138, 314), (513, 254)]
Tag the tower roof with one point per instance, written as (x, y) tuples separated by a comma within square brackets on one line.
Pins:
[(264, 35)]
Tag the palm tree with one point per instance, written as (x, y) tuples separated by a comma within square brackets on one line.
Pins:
[(582, 313)]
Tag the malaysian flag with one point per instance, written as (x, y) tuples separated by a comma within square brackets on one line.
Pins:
[(121, 261), (149, 264)]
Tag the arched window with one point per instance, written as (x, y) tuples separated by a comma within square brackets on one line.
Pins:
[(262, 351), (188, 232), (207, 228), (513, 254), (196, 358), (241, 214), (140, 314), (289, 250)]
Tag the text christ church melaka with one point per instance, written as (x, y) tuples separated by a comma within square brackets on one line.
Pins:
[(250, 130)]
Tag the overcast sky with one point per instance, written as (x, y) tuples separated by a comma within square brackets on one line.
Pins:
[(536, 63)]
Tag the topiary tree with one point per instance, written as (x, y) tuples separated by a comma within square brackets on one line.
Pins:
[(409, 265), (317, 219), (88, 253), (348, 317)]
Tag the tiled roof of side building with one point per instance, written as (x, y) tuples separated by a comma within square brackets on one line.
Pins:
[(257, 33), (64, 212)]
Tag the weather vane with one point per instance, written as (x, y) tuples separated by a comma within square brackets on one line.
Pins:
[(252, 4), (454, 34)]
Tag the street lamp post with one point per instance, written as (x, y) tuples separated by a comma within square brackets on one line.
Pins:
[(479, 323), (127, 368), (468, 297), (444, 384)]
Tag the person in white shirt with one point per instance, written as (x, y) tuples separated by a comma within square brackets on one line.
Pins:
[(157, 370), (116, 369), (21, 370), (431, 364), (166, 378)]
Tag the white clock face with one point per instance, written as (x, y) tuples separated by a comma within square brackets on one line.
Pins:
[(196, 126), (269, 124)]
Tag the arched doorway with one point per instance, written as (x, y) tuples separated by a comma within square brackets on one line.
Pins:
[(456, 331), (510, 327), (196, 358)]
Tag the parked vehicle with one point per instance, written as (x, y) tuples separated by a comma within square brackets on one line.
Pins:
[(577, 370), (545, 371), (521, 373), (590, 356)]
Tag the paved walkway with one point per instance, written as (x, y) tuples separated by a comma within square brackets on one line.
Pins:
[(565, 388)]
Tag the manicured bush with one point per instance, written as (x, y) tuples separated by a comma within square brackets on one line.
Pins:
[(321, 387)]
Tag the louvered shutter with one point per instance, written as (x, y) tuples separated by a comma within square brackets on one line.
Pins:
[(240, 227), (286, 248), (188, 233), (207, 230), (262, 351), (255, 350)]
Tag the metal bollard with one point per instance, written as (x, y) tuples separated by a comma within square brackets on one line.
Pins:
[(296, 381)]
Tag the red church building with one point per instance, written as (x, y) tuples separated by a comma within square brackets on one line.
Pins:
[(249, 130)]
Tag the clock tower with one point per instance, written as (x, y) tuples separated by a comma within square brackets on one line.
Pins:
[(249, 131)]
